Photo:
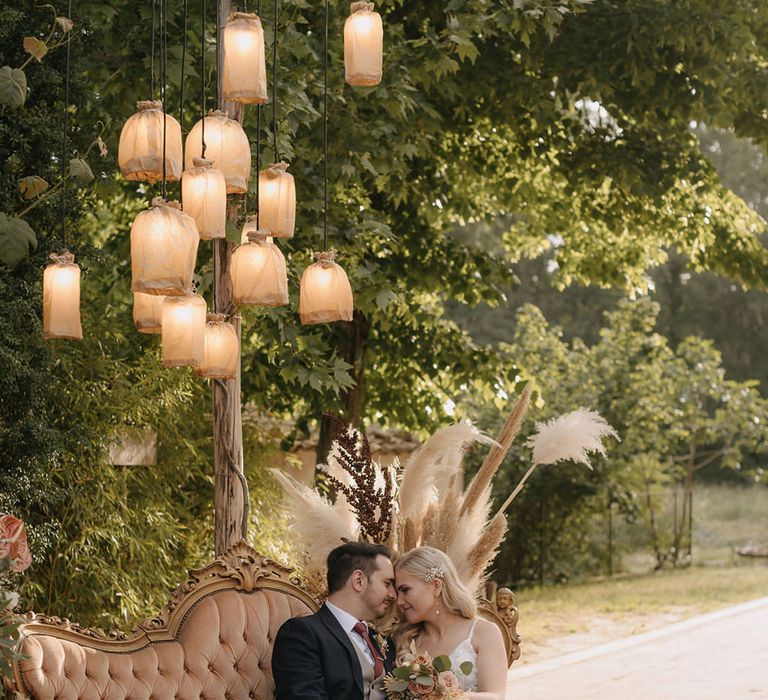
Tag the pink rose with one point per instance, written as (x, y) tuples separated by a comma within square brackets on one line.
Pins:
[(448, 680), (419, 689), (13, 543)]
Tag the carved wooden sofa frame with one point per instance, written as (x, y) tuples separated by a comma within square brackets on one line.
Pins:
[(212, 641)]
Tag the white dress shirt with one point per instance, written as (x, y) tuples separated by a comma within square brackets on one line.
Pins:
[(348, 623)]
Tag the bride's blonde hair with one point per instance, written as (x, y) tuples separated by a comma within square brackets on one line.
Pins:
[(455, 596)]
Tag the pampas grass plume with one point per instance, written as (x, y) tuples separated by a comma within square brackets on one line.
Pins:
[(570, 437)]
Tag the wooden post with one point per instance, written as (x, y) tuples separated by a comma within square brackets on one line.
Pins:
[(230, 494)]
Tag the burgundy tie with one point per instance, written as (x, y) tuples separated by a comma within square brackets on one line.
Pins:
[(378, 663)]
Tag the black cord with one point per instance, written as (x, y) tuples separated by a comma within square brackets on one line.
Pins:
[(325, 135), (183, 66), (203, 78), (258, 151), (152, 52), (163, 77), (219, 90), (274, 81), (64, 139)]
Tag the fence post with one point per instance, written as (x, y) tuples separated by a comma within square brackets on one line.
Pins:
[(676, 537), (690, 524), (542, 542), (610, 536)]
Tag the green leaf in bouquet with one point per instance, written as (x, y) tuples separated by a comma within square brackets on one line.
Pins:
[(402, 672), (427, 681), (13, 86), (466, 667), (441, 663)]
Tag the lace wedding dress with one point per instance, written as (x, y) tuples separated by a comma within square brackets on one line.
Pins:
[(465, 652)]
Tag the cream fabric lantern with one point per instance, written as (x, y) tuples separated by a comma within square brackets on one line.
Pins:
[(183, 330), (221, 349), (245, 72), (204, 197), (277, 201), (325, 294), (148, 312), (363, 45), (140, 151), (258, 272), (61, 298), (164, 244), (226, 146)]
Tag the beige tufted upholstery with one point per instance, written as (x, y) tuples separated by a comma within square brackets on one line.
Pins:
[(219, 648)]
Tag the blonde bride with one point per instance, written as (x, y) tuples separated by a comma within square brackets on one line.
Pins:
[(439, 614)]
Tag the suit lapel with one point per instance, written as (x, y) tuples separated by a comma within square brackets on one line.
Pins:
[(330, 621)]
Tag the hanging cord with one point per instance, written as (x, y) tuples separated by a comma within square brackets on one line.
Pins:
[(64, 140), (152, 52), (274, 80), (163, 77), (203, 79), (219, 92), (325, 135), (258, 150), (183, 66)]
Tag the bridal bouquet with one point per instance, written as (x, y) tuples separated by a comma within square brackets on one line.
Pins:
[(420, 677)]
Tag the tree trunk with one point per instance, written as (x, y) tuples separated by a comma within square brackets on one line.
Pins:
[(230, 490), (351, 403)]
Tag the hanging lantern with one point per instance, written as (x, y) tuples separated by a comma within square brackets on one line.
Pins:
[(221, 349), (204, 195), (363, 45), (226, 146), (277, 201), (325, 294), (258, 272), (183, 331), (148, 312), (245, 72), (140, 152), (164, 244), (61, 298)]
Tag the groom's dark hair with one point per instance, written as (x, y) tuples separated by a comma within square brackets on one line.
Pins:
[(350, 557)]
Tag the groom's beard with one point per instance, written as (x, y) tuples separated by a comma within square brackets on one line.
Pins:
[(377, 609)]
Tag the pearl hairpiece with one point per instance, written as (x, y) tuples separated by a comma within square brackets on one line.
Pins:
[(435, 572)]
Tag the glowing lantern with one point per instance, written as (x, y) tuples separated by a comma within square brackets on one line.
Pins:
[(325, 294), (204, 195), (140, 152), (363, 45), (245, 73), (277, 201), (164, 244), (226, 146), (148, 312), (183, 331), (258, 272), (61, 298), (221, 349)]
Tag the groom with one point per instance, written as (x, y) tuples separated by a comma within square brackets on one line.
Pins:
[(333, 655)]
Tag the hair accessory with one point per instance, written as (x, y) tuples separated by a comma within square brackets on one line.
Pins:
[(435, 572)]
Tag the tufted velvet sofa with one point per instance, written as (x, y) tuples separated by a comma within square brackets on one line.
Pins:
[(213, 641)]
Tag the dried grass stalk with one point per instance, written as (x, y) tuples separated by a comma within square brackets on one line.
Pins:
[(496, 454)]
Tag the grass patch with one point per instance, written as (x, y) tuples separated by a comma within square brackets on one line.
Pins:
[(558, 610)]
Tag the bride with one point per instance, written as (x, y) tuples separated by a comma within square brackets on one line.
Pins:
[(440, 614)]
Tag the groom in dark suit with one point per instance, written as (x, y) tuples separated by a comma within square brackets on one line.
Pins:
[(333, 655)]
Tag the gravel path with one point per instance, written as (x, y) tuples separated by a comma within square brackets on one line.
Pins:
[(719, 656)]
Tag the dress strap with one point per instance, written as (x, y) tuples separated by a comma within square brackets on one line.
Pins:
[(472, 629)]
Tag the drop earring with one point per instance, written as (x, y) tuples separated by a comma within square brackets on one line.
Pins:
[(437, 606)]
